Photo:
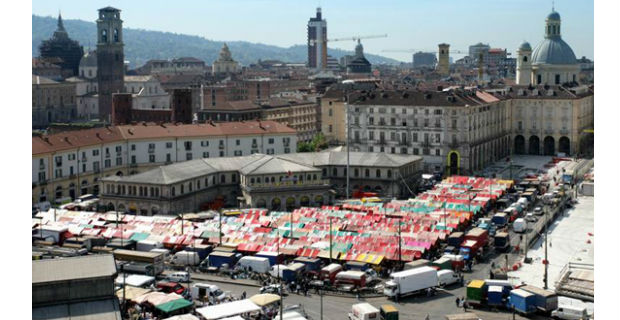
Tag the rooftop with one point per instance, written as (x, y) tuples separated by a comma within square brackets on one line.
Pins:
[(66, 269), (89, 137)]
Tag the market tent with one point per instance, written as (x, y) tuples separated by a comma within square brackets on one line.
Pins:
[(131, 292), (139, 236), (228, 309), (174, 305), (157, 298), (183, 317), (264, 299)]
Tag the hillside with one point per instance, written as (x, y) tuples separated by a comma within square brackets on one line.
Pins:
[(143, 45)]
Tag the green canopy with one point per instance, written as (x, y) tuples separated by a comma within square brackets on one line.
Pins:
[(209, 234), (174, 305), (139, 236)]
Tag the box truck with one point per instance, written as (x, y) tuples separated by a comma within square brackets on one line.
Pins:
[(409, 282), (185, 258), (156, 260), (219, 258), (388, 312), (519, 226), (255, 264), (546, 301), (329, 272), (355, 278), (502, 241), (522, 301), (500, 219)]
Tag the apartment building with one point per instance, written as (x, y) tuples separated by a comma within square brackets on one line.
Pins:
[(70, 164), (458, 130)]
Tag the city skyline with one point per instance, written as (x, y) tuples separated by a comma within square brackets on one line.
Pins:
[(577, 22)]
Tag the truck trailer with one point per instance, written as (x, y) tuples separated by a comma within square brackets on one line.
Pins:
[(410, 282)]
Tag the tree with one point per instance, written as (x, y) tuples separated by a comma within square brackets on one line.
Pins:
[(318, 142)]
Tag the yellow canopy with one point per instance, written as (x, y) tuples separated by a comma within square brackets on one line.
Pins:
[(325, 254), (264, 299), (369, 258)]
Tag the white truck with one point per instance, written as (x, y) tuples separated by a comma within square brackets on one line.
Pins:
[(205, 291), (255, 264), (410, 281), (363, 311), (447, 277), (186, 258)]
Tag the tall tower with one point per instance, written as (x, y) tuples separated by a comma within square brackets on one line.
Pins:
[(524, 64), (317, 41), (110, 59), (443, 65)]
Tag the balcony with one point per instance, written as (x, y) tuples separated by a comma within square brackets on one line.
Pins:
[(254, 145), (151, 150)]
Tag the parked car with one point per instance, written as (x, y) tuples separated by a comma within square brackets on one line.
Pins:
[(170, 287), (538, 211)]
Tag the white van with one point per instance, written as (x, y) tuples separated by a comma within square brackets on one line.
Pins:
[(202, 290), (519, 225), (180, 276), (447, 277), (570, 313), (255, 264)]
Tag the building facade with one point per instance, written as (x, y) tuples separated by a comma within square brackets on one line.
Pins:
[(457, 131), (547, 120), (281, 182), (52, 101), (71, 164), (183, 65), (110, 59), (443, 64), (424, 59), (303, 116)]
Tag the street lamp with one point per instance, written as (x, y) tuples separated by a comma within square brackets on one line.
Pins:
[(546, 236)]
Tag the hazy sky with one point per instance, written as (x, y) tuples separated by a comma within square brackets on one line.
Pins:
[(409, 24)]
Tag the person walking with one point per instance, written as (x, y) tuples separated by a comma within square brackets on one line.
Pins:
[(458, 302)]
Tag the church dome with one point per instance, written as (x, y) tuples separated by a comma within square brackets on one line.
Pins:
[(89, 60), (553, 51), (553, 16), (525, 46)]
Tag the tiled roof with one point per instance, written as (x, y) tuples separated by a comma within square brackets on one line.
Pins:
[(42, 80), (66, 269), (416, 98), (241, 105), (83, 138)]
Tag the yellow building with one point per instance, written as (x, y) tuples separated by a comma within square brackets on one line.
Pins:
[(333, 116)]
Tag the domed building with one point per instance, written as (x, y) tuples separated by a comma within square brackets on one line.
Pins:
[(552, 62), (359, 64), (62, 47), (225, 63)]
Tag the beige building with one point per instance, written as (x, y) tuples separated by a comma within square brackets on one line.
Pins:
[(547, 120), (71, 164), (299, 115), (333, 116), (52, 101)]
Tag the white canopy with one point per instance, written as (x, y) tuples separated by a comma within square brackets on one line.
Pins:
[(135, 280), (228, 309), (183, 317)]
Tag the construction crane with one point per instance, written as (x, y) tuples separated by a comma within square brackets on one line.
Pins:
[(425, 51), (354, 38)]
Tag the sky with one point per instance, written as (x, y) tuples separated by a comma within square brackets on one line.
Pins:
[(410, 24)]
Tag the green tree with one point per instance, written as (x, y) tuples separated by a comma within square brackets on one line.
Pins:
[(318, 142)]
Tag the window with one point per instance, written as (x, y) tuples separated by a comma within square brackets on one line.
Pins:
[(371, 110), (525, 59), (133, 147), (426, 151), (238, 142), (58, 160), (356, 172), (538, 79), (287, 150), (205, 154), (426, 122), (557, 79), (58, 173), (41, 176), (83, 167), (415, 137), (188, 156), (204, 143), (416, 151), (393, 150), (270, 141), (403, 150), (168, 145), (95, 152), (151, 158), (393, 136), (104, 35), (454, 124), (437, 138), (115, 35), (168, 157), (426, 111), (223, 179), (330, 111), (107, 163), (270, 151), (96, 166), (221, 153), (119, 148), (389, 173), (151, 147), (119, 161), (330, 128), (378, 173), (371, 121), (371, 149), (393, 121), (188, 145), (133, 159), (71, 156), (438, 122), (334, 172), (367, 173), (437, 152)]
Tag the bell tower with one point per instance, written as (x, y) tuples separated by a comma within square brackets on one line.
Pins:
[(443, 64), (110, 59), (524, 64)]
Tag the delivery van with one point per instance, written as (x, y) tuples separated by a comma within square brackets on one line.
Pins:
[(255, 264), (447, 277), (570, 313)]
